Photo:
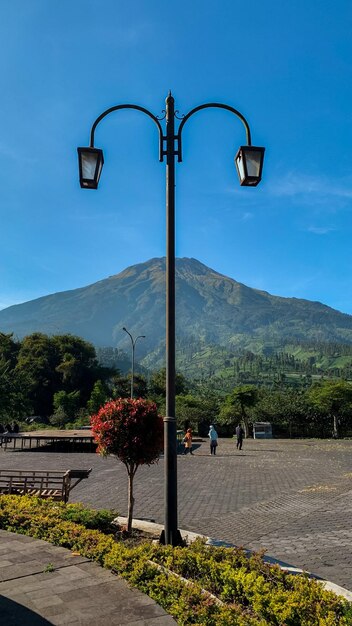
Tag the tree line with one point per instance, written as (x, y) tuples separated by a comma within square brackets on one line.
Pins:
[(58, 380), (46, 376), (296, 363), (322, 410)]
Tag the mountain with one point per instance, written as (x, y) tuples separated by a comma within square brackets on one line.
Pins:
[(212, 309)]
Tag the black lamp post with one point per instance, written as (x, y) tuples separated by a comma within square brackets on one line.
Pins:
[(249, 163), (133, 342)]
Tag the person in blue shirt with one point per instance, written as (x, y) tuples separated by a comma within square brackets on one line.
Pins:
[(213, 436)]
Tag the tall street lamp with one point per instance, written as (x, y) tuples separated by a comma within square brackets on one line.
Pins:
[(133, 342), (249, 164)]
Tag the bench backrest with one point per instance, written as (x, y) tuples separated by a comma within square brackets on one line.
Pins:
[(40, 482), (12, 481)]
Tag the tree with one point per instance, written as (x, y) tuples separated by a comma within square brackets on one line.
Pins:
[(9, 348), (132, 430), (77, 365), (98, 397), (38, 359), (14, 403), (334, 397), (59, 418), (286, 408), (196, 412), (240, 399), (66, 404), (157, 385), (121, 386), (52, 364)]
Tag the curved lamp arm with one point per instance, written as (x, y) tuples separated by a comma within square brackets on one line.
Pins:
[(215, 105), (126, 331), (129, 106), (134, 341)]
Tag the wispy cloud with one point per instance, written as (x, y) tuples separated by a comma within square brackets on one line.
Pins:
[(301, 287), (126, 36), (247, 215), (296, 184), (134, 34), (297, 287), (321, 230), (14, 155)]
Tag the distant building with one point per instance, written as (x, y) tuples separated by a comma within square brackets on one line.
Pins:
[(262, 430)]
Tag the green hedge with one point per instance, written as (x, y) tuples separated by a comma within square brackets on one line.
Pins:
[(251, 593)]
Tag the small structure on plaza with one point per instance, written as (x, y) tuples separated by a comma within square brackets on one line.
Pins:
[(262, 430)]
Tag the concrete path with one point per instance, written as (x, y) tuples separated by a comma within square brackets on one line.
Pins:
[(291, 497), (41, 584)]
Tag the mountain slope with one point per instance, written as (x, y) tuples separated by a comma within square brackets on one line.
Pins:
[(211, 308)]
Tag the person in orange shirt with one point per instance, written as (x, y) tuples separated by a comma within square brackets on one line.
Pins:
[(187, 440)]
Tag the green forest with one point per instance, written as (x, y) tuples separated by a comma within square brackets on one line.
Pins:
[(60, 381)]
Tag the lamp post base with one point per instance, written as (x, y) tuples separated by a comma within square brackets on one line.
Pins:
[(175, 541)]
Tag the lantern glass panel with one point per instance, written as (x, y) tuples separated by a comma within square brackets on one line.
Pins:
[(100, 167), (89, 164), (240, 167), (253, 162)]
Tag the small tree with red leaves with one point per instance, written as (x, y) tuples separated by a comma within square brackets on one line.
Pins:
[(132, 430)]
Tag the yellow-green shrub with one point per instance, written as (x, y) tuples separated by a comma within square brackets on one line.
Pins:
[(252, 592)]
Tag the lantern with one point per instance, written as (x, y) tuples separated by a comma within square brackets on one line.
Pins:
[(249, 164), (91, 162)]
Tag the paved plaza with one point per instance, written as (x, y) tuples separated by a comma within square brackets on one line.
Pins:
[(292, 498), (44, 585)]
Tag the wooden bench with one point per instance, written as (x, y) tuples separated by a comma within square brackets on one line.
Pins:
[(44, 484)]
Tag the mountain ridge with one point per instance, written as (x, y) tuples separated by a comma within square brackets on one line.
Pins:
[(210, 307)]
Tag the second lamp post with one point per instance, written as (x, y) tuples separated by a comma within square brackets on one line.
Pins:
[(133, 342), (249, 164)]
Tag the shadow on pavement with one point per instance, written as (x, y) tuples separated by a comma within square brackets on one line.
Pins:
[(264, 450), (181, 449), (224, 456), (14, 614)]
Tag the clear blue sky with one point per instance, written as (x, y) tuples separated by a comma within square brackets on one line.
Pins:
[(287, 66)]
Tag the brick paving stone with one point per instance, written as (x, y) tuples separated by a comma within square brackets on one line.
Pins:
[(291, 497), (64, 596)]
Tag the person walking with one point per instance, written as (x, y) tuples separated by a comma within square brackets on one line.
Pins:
[(239, 436), (187, 440), (213, 436)]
